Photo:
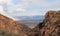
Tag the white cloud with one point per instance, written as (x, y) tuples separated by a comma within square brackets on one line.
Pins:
[(20, 9), (1, 8), (30, 7), (3, 13), (2, 2), (45, 3), (5, 1)]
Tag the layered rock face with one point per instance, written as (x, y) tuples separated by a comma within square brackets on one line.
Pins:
[(9, 25), (51, 24)]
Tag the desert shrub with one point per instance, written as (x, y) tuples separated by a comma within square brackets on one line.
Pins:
[(4, 33)]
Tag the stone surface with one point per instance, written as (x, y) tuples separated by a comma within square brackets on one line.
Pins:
[(51, 24), (9, 25)]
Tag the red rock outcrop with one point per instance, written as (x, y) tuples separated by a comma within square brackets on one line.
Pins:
[(9, 25), (51, 24)]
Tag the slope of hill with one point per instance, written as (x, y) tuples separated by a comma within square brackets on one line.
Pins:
[(51, 24), (9, 25)]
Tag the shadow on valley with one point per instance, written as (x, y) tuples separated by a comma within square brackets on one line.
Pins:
[(40, 25)]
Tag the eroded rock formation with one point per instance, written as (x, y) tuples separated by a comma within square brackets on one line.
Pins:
[(10, 25), (51, 24)]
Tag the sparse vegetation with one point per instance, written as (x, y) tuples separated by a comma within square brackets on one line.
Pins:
[(4, 33)]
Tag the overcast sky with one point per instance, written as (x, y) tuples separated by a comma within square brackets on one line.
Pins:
[(28, 7)]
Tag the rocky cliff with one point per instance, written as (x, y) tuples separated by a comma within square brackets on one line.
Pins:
[(51, 24), (9, 25)]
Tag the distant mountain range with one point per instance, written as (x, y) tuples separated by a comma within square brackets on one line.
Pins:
[(29, 17), (30, 20)]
